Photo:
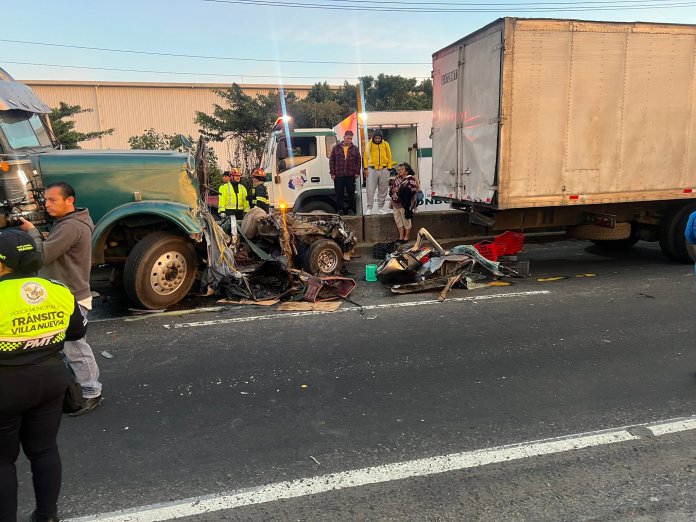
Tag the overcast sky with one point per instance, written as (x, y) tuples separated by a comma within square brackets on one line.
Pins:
[(355, 32)]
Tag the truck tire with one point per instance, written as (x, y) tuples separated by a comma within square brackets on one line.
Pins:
[(160, 270), (324, 258), (671, 235), (317, 204)]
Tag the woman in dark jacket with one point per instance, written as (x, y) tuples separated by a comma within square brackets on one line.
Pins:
[(36, 317), (403, 193)]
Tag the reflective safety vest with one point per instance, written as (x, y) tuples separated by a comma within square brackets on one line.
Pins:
[(231, 200), (36, 318)]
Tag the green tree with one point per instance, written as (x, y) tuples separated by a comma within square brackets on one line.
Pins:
[(396, 93), (153, 140), (321, 107), (64, 126), (245, 120), (314, 114)]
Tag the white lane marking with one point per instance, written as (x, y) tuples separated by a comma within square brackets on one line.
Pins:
[(355, 309), (672, 426), (361, 477)]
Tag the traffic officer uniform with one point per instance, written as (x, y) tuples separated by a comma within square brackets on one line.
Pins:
[(37, 316), (233, 196)]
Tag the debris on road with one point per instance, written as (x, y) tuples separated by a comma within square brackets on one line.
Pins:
[(304, 306), (426, 265)]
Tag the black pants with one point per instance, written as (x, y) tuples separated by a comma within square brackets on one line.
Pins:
[(341, 185), (31, 405)]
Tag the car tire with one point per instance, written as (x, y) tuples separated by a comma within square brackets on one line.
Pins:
[(160, 270), (323, 258)]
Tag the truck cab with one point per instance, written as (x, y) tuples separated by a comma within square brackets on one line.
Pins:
[(144, 204), (296, 163)]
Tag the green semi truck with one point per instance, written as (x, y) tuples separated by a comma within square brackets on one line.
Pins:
[(144, 203)]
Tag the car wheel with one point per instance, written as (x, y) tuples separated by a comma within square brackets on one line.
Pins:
[(324, 258)]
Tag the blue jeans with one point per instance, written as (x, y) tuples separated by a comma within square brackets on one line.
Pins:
[(80, 358)]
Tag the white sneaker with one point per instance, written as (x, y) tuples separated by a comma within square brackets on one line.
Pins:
[(368, 211), (384, 211)]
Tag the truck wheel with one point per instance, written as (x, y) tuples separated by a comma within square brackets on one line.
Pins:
[(671, 235), (319, 205), (160, 270), (324, 258)]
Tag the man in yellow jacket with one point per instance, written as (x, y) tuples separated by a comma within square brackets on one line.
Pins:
[(233, 199), (376, 162)]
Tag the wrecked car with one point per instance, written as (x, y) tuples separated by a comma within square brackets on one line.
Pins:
[(317, 243), (272, 256)]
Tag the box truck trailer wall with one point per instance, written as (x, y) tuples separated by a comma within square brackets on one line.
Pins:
[(588, 125)]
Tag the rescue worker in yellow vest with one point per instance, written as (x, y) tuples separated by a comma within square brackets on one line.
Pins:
[(36, 317), (259, 192), (233, 195)]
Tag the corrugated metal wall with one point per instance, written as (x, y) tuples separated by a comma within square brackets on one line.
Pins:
[(132, 108)]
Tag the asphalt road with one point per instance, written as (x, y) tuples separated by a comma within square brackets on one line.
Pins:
[(242, 397)]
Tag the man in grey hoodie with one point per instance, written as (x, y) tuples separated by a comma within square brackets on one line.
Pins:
[(67, 257)]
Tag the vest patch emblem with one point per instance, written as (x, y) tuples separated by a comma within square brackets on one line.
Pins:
[(33, 293)]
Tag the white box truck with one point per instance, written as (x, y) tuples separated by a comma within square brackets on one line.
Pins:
[(541, 123), (297, 160)]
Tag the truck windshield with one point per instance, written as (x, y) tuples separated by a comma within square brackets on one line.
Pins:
[(267, 156), (24, 129)]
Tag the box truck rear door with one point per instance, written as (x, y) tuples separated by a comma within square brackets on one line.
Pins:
[(479, 118)]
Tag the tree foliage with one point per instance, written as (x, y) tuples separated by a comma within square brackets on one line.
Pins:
[(244, 119), (396, 93), (64, 126), (153, 140)]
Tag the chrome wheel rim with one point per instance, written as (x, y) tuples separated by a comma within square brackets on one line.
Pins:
[(168, 273)]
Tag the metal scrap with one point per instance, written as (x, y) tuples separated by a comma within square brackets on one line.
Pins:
[(426, 265)]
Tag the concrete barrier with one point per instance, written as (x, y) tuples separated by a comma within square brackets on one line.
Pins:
[(442, 225)]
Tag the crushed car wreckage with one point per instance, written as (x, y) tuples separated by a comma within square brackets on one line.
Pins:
[(426, 265), (278, 256)]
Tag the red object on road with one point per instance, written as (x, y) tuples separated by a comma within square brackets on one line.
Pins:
[(511, 243), (490, 249)]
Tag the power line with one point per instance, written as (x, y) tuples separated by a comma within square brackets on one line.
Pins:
[(494, 4), (196, 73), (177, 55), (487, 9)]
